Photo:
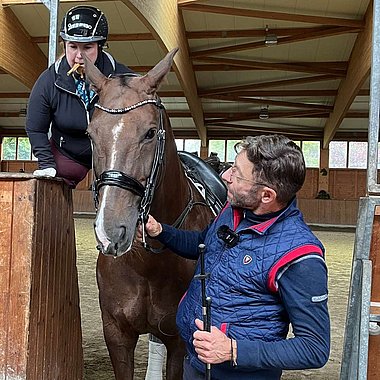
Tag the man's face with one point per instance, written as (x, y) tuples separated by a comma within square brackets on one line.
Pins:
[(243, 191), (74, 52)]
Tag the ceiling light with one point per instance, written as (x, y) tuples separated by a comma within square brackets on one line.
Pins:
[(270, 38), (264, 113)]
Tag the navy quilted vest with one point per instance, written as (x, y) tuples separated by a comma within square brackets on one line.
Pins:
[(242, 283)]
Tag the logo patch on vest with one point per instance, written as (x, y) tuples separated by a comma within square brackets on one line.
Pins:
[(247, 259), (321, 298)]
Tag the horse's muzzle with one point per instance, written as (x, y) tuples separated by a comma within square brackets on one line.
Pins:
[(112, 250)]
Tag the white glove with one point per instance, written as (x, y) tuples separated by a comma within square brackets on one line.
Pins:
[(48, 172)]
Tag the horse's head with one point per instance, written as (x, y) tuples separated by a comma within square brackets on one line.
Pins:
[(128, 138)]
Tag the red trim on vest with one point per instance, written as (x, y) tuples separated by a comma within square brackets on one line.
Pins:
[(182, 298), (223, 328), (238, 216), (288, 258), (261, 227)]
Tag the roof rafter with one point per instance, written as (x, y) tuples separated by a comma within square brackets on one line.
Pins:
[(241, 33), (277, 83), (328, 32), (306, 67), (253, 100), (358, 70), (166, 24), (14, 42), (272, 15)]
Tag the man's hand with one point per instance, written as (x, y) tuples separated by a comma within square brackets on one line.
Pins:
[(48, 172), (152, 228), (212, 347)]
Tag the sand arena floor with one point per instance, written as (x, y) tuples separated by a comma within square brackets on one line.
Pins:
[(339, 247)]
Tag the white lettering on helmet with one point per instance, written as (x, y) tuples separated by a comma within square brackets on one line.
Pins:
[(79, 25)]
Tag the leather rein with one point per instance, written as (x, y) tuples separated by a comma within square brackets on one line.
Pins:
[(124, 181)]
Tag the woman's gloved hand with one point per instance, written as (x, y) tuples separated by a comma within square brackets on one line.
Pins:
[(48, 172)]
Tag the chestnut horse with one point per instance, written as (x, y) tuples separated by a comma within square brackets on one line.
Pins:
[(137, 171)]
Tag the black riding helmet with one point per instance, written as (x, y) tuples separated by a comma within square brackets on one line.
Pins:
[(84, 23)]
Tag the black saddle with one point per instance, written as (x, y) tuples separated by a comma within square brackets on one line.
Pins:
[(202, 173)]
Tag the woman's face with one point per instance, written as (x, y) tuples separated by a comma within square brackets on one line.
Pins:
[(74, 52)]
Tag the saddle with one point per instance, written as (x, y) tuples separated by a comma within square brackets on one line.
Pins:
[(206, 179)]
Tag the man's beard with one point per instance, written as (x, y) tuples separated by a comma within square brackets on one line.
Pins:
[(250, 200)]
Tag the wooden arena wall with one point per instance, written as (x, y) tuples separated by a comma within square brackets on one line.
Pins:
[(346, 186)]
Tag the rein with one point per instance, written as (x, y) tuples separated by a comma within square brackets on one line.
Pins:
[(126, 182)]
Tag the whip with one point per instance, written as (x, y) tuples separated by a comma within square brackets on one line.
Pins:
[(206, 301)]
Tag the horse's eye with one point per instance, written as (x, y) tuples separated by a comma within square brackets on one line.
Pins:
[(150, 134)]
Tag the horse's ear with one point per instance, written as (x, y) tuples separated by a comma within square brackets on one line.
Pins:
[(93, 75), (155, 76)]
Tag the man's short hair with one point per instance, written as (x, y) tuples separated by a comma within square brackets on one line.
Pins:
[(277, 161)]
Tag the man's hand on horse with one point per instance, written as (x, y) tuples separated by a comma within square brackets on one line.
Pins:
[(212, 347), (152, 228)]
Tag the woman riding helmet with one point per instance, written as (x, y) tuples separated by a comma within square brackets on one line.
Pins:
[(61, 103)]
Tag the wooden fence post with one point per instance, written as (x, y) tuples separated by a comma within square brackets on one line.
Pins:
[(40, 326)]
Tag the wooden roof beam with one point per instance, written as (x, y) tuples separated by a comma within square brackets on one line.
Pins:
[(280, 41), (306, 67), (278, 83), (278, 103), (255, 116), (14, 43), (272, 15), (358, 71), (165, 22), (296, 133), (244, 33)]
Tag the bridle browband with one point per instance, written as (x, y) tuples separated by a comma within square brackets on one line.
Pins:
[(156, 102), (126, 182)]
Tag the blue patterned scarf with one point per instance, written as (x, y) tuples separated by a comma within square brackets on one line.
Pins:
[(83, 91)]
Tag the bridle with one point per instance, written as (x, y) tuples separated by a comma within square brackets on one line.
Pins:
[(126, 182)]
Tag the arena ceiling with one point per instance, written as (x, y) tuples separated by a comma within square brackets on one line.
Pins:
[(245, 67)]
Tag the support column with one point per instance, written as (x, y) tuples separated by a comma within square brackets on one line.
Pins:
[(204, 151), (324, 175)]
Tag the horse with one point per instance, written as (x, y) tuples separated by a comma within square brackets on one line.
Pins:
[(137, 172)]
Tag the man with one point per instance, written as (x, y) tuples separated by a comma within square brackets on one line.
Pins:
[(266, 268)]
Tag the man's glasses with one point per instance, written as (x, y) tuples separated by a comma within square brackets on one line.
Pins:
[(234, 171)]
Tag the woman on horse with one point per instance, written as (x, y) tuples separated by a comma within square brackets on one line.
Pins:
[(61, 104)]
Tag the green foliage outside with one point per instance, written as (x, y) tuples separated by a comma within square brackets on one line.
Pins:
[(311, 152), (24, 149), (9, 148), (217, 146)]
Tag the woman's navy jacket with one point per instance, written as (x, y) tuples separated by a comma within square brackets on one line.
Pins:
[(54, 102)]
